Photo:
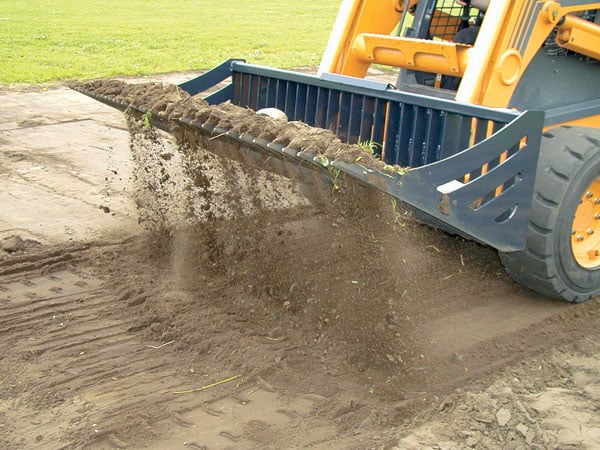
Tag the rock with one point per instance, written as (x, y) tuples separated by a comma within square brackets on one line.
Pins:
[(473, 441), (137, 300), (522, 429), (484, 418), (530, 436), (156, 327), (446, 404), (503, 417), (13, 244), (366, 424), (273, 113)]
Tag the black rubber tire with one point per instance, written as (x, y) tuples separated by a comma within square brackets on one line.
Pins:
[(569, 163)]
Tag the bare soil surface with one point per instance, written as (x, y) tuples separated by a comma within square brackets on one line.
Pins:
[(154, 295)]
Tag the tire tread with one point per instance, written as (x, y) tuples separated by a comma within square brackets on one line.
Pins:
[(565, 152)]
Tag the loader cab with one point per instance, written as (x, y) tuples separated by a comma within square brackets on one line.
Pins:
[(438, 20), (548, 66)]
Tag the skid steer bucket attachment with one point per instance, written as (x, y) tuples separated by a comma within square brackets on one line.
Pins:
[(467, 169)]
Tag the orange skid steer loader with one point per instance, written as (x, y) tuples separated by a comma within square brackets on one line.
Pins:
[(498, 136)]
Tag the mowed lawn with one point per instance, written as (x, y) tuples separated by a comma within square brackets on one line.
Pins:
[(48, 40)]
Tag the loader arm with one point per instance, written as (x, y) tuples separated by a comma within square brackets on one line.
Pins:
[(506, 44), (354, 18)]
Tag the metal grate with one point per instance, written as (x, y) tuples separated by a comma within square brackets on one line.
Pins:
[(406, 134), (472, 169)]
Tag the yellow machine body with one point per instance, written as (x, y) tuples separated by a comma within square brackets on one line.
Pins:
[(510, 36)]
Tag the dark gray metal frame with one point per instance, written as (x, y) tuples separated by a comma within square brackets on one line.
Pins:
[(471, 169)]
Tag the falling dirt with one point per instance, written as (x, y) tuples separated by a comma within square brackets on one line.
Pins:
[(248, 314)]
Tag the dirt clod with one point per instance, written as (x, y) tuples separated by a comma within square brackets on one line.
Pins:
[(13, 244), (171, 104)]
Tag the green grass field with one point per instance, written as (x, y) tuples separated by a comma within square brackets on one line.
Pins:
[(48, 40)]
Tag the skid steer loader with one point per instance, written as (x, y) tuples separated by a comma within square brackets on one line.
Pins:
[(511, 158)]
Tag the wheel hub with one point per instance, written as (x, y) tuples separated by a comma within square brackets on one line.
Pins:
[(585, 234)]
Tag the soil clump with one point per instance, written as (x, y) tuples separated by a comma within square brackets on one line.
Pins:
[(176, 107)]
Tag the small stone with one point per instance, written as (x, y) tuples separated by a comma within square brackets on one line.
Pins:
[(484, 419), (530, 436), (446, 404), (13, 244), (273, 113), (503, 417), (137, 300), (473, 441), (522, 429)]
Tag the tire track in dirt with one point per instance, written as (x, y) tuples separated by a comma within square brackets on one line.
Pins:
[(74, 356), (84, 351), (65, 320)]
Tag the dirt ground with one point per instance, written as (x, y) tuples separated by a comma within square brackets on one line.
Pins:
[(155, 296)]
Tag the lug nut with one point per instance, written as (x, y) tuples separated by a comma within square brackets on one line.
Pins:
[(590, 231), (580, 237), (589, 194)]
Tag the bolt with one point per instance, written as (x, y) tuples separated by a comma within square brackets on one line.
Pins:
[(597, 216), (597, 201), (589, 194), (580, 237), (590, 231)]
